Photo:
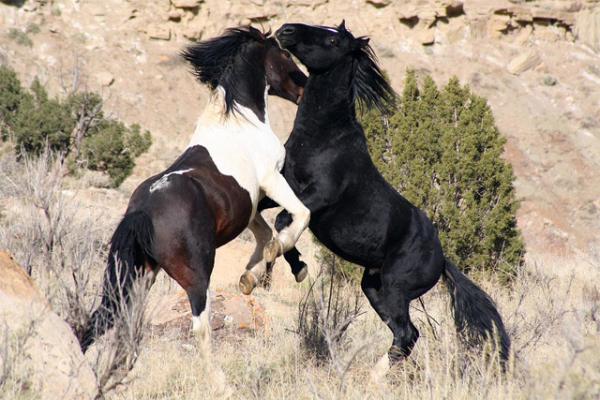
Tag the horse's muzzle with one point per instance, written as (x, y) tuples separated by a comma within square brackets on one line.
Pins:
[(285, 35)]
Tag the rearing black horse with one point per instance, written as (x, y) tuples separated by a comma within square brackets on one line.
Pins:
[(355, 212)]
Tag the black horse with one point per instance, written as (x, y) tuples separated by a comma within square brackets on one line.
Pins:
[(354, 211)]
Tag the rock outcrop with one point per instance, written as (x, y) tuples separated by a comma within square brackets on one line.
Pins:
[(55, 366), (231, 315)]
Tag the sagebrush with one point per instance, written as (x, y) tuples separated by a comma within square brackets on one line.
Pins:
[(77, 127)]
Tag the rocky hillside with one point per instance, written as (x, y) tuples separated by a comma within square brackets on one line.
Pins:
[(538, 63)]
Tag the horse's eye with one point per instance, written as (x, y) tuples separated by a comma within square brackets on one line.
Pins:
[(334, 41)]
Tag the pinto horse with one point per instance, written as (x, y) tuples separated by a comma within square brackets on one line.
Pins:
[(176, 219), (354, 211)]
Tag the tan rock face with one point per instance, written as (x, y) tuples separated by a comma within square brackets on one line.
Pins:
[(56, 366)]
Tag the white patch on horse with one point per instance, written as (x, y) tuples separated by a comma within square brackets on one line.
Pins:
[(163, 182), (202, 321), (247, 149), (240, 144)]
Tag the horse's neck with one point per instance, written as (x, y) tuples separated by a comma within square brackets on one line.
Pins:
[(328, 99), (242, 117)]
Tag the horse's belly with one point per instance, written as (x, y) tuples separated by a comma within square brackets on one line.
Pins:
[(350, 237)]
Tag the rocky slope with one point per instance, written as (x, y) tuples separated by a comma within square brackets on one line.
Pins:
[(538, 63)]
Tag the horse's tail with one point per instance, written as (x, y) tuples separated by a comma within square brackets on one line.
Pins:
[(474, 311), (130, 250)]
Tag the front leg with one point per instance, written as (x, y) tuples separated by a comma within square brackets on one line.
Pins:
[(276, 187), (299, 267), (256, 269)]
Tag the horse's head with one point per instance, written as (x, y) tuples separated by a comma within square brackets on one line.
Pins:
[(284, 77), (242, 62), (322, 48), (319, 47)]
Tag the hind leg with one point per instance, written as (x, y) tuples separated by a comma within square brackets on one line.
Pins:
[(256, 269), (405, 276), (191, 264), (372, 286)]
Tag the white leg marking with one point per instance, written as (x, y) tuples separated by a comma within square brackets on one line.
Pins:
[(201, 327), (196, 323), (163, 182), (278, 189)]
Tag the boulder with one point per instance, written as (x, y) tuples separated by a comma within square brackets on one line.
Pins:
[(523, 62), (231, 315), (175, 15), (426, 36), (50, 355), (193, 33), (498, 25), (159, 32)]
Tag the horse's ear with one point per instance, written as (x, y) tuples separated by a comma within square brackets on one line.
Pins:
[(361, 43), (342, 26)]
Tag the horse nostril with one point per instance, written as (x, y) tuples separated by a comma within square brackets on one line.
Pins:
[(288, 30)]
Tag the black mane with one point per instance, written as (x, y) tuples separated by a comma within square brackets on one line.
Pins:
[(214, 62), (370, 86)]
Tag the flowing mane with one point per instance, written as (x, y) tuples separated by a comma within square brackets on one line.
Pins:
[(214, 64), (370, 86)]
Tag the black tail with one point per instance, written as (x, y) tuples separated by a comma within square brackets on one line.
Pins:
[(474, 311), (130, 249)]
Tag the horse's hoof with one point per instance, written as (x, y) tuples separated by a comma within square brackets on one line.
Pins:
[(247, 282), (272, 250), (302, 274), (395, 355)]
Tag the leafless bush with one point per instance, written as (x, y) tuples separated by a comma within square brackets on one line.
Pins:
[(550, 307), (37, 183), (325, 313), (14, 371), (58, 248), (121, 346), (64, 250)]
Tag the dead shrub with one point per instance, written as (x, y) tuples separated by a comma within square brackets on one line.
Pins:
[(325, 312), (64, 250)]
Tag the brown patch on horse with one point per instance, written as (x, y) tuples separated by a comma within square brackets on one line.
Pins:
[(229, 202)]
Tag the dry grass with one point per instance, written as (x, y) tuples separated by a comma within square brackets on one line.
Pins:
[(552, 313), (64, 250)]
